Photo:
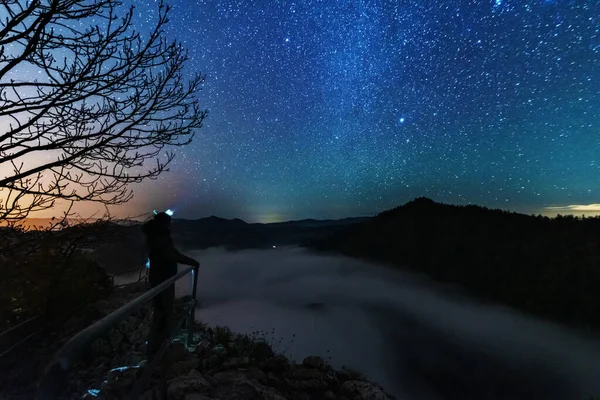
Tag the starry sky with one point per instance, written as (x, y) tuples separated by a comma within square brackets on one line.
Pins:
[(331, 108)]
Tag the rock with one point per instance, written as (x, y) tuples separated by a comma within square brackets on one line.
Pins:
[(358, 390), (262, 351), (352, 375), (124, 347), (308, 385), (343, 376), (177, 352), (219, 349), (211, 362), (196, 396), (300, 396), (226, 377), (150, 394), (303, 378), (100, 347), (193, 382), (134, 358), (236, 385), (315, 362), (203, 349), (306, 379), (182, 368), (277, 363), (119, 382), (275, 381), (304, 374), (270, 393), (236, 362), (329, 395), (136, 335), (240, 390), (256, 374), (115, 337)]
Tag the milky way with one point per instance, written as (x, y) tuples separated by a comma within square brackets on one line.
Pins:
[(338, 108)]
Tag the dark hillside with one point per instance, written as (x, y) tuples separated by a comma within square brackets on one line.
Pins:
[(547, 267)]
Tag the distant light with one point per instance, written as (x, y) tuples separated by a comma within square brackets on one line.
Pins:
[(169, 212), (287, 39), (148, 264), (402, 120), (274, 247)]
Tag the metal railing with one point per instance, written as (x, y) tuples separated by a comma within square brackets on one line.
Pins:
[(15, 337), (8, 337), (55, 376)]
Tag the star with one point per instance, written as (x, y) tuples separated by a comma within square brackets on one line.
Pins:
[(320, 111)]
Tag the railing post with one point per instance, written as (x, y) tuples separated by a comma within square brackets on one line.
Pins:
[(191, 318)]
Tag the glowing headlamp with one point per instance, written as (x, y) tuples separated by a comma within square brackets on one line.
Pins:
[(169, 212)]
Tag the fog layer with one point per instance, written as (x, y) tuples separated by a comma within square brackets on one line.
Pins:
[(416, 339)]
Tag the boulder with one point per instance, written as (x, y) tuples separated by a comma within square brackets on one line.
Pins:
[(211, 362), (256, 374), (277, 363), (182, 368), (306, 379), (315, 362), (236, 362), (176, 352), (239, 385), (196, 396), (192, 382), (119, 382), (203, 349), (329, 395)]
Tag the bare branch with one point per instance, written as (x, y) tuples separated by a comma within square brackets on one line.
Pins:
[(104, 103)]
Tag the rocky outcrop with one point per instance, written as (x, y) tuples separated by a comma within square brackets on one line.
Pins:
[(226, 366), (221, 365)]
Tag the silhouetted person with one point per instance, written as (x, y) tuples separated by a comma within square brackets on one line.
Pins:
[(163, 265)]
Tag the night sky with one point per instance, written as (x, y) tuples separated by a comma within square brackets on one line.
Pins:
[(328, 109)]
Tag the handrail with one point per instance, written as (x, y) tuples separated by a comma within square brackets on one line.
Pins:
[(56, 372), (21, 341), (19, 325), (6, 344)]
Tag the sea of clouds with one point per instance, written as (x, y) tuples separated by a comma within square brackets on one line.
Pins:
[(417, 339)]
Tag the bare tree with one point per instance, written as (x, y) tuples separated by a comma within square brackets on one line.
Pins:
[(85, 102)]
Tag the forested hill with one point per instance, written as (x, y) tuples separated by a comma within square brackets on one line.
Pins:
[(546, 267)]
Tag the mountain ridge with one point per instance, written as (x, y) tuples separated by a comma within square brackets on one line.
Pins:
[(527, 262)]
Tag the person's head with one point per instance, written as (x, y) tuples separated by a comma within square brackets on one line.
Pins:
[(162, 221)]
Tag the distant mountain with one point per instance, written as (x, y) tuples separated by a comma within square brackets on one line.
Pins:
[(238, 234), (548, 267), (121, 247), (211, 222), (321, 222)]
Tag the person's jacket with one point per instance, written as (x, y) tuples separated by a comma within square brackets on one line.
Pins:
[(162, 254)]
